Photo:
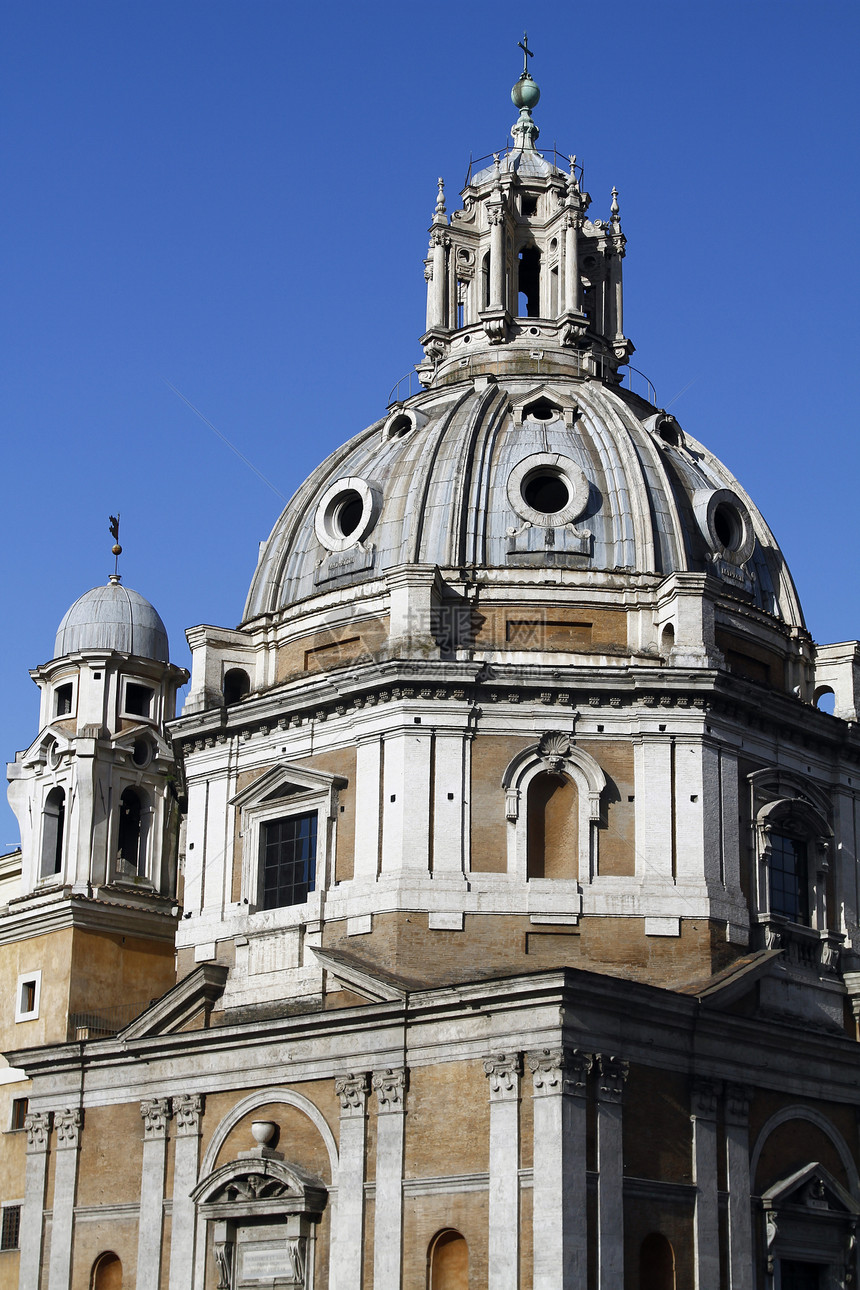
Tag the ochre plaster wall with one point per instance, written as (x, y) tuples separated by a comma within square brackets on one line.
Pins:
[(656, 1126), (340, 761), (111, 970), (424, 1216), (490, 757), (325, 650), (616, 837), (111, 1156), (448, 1120), (52, 954)]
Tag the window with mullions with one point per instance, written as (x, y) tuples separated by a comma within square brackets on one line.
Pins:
[(288, 852), (789, 887), (10, 1227)]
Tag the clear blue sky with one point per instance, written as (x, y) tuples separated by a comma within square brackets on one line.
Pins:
[(233, 196)]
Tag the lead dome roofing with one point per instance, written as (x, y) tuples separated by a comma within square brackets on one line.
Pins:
[(113, 617), (442, 495)]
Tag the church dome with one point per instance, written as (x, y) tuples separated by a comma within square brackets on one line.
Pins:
[(113, 617), (521, 472)]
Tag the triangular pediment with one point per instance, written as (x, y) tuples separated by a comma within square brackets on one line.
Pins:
[(286, 781), (191, 998), (812, 1188)]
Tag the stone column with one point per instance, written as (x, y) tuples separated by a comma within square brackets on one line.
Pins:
[(155, 1113), (559, 1190), (503, 1071), (67, 1125), (738, 1184), (390, 1086), (347, 1262), (612, 1072), (497, 258), (706, 1234), (439, 285), (571, 265), (187, 1111), (38, 1128)]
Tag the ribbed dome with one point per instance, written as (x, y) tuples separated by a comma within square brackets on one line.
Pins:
[(113, 617), (528, 471)]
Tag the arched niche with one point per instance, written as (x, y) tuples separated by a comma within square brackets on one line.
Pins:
[(656, 1263), (448, 1261), (554, 756), (107, 1272), (258, 1216)]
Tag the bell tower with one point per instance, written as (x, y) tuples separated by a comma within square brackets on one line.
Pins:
[(521, 265), (96, 800)]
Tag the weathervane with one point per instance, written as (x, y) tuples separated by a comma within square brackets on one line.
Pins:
[(527, 53), (116, 549)]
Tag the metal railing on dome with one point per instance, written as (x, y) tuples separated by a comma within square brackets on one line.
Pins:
[(105, 1023), (631, 378), (561, 161)]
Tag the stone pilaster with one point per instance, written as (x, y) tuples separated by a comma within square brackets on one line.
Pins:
[(348, 1261), (67, 1130), (611, 1076), (559, 1191), (187, 1112), (738, 1183), (503, 1071), (38, 1128), (706, 1243), (155, 1113), (390, 1087)]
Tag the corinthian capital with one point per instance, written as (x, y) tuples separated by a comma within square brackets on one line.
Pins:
[(611, 1077), (155, 1112), (559, 1070), (352, 1093), (187, 1110), (37, 1125), (390, 1086), (503, 1070), (68, 1126)]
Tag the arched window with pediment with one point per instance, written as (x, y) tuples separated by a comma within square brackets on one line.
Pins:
[(552, 803), (553, 827)]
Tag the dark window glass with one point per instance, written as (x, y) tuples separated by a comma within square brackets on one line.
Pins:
[(10, 1227), (64, 700), (19, 1112), (138, 699), (288, 852), (796, 1275), (53, 821), (128, 840), (28, 996), (237, 685), (789, 895)]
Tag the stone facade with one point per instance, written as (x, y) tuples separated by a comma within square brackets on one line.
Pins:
[(514, 904)]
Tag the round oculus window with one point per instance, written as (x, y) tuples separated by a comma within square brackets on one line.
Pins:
[(725, 523), (141, 752), (346, 512), (545, 491), (548, 490)]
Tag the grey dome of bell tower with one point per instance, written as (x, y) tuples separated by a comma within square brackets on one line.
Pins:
[(113, 617)]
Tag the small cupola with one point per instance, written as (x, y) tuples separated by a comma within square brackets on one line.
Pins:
[(521, 265)]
